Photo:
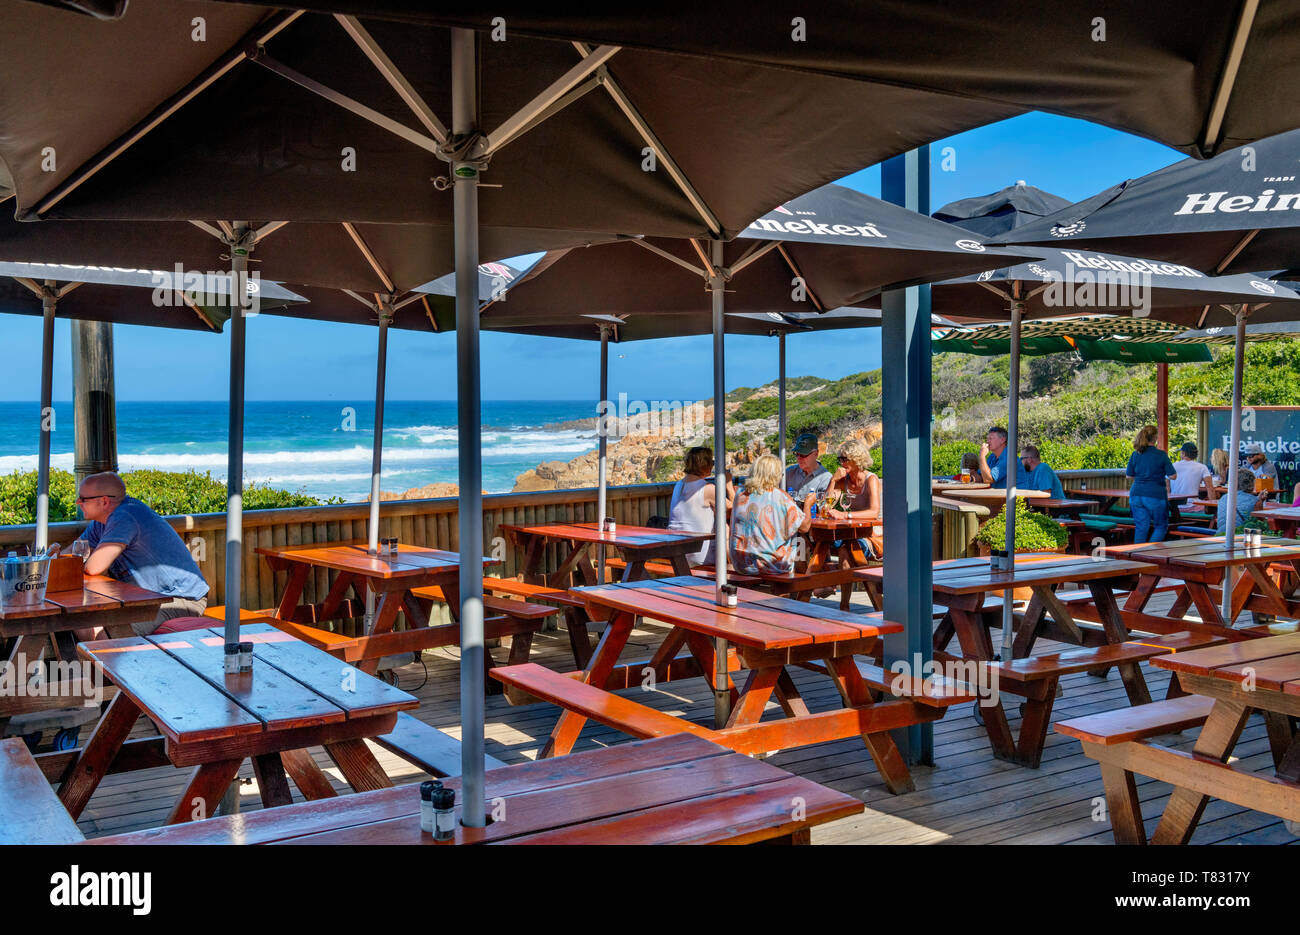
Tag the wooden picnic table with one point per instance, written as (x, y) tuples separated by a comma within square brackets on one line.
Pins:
[(1264, 676), (768, 634), (391, 577), (1054, 506), (993, 499), (963, 585), (821, 538), (636, 544), (1199, 565), (296, 697), (943, 486), (1283, 520), (669, 790)]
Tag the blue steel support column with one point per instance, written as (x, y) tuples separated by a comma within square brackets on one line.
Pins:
[(905, 341)]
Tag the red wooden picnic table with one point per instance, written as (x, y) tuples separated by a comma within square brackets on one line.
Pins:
[(669, 790), (1283, 520), (1199, 565), (391, 577), (1106, 496), (768, 634), (636, 544), (822, 536), (296, 697), (1054, 506)]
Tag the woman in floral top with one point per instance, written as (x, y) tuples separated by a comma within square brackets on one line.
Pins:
[(765, 521)]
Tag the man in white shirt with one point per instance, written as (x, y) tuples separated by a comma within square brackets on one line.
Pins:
[(806, 475), (1186, 482)]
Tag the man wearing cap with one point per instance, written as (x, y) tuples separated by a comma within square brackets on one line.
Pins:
[(806, 475), (130, 542), (1259, 465)]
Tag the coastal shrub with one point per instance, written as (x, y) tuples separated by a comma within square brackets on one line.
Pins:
[(166, 492), (764, 407), (1035, 532), (668, 469)]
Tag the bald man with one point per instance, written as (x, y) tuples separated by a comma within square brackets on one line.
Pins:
[(130, 542)]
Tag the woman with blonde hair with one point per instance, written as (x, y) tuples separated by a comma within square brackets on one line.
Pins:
[(765, 522), (854, 483), (1219, 465), (1148, 497), (692, 506)]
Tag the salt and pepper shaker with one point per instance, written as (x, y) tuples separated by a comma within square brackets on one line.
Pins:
[(610, 526), (232, 659), (245, 657), (427, 790), (444, 814), (728, 597)]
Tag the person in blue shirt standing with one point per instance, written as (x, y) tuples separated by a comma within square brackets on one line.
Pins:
[(1148, 497), (1038, 476), (994, 458), (130, 542)]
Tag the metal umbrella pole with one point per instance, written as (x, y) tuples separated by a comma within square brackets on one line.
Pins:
[(241, 245), (377, 451), (49, 302), (464, 174), (1012, 475), (602, 424), (721, 696), (780, 395), (1234, 456)]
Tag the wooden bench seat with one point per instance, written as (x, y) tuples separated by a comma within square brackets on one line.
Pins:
[(425, 746), (30, 810), (538, 592), (1140, 722), (519, 610), (336, 644), (665, 570), (938, 692)]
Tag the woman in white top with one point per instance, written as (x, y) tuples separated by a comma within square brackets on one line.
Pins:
[(694, 496)]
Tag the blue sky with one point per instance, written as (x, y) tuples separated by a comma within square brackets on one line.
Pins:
[(290, 359)]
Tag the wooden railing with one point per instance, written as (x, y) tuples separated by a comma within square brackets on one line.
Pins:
[(432, 523)]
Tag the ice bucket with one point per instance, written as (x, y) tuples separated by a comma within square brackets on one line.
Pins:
[(24, 580)]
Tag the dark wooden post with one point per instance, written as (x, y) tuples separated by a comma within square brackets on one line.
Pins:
[(1162, 405), (94, 399)]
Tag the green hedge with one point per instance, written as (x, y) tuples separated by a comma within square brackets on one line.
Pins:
[(167, 493), (1102, 453)]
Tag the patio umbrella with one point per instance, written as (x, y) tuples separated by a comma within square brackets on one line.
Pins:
[(995, 214), (127, 296), (1198, 76)]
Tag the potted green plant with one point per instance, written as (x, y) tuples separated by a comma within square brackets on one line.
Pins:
[(1035, 532)]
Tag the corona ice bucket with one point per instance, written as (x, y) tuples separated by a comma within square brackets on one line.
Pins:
[(24, 581)]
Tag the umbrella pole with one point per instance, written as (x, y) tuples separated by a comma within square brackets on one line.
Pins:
[(721, 694), (1234, 456), (1012, 473), (780, 396), (377, 451), (49, 303), (465, 117), (240, 247), (602, 425)]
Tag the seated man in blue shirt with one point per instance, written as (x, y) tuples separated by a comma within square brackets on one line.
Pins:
[(130, 542), (1038, 476), (993, 459)]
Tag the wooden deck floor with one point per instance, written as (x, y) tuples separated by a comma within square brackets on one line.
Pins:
[(967, 797)]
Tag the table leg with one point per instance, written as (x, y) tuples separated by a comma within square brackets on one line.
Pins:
[(533, 552), (681, 567), (787, 695), (1035, 722), (1135, 686), (1288, 767), (575, 621), (666, 653), (306, 775), (293, 590), (1122, 805), (390, 602), (334, 599), (884, 752), (1219, 735), (634, 570), (569, 726), (1281, 736), (754, 697), (1205, 604), (1267, 588), (358, 765), (976, 644), (93, 763), (208, 784), (272, 784), (561, 577), (704, 649)]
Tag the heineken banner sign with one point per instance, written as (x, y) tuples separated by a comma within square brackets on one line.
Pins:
[(1276, 429)]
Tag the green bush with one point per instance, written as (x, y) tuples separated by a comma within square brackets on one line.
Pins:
[(1035, 532), (167, 493), (764, 407)]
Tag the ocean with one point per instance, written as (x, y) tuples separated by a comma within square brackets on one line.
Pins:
[(316, 447)]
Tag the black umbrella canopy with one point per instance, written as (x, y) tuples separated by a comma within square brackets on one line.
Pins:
[(305, 117), (830, 248), (1198, 75), (1003, 211), (158, 298), (1074, 282), (1236, 213)]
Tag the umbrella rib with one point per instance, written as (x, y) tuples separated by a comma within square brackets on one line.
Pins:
[(794, 268), (1228, 77), (560, 92), (208, 228), (362, 299), (198, 311), (758, 250), (428, 312), (370, 257), (1241, 245), (236, 54), (668, 256), (393, 75), (661, 153), (349, 104), (266, 230)]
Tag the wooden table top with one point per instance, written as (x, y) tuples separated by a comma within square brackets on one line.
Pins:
[(1291, 513), (1211, 552), (839, 528), (352, 557), (974, 575), (98, 593), (1068, 504), (1118, 493), (759, 620), (958, 485), (1272, 662), (623, 537), (990, 494), (669, 790), (178, 681)]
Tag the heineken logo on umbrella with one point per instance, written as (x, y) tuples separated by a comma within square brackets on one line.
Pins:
[(1263, 287), (1068, 230), (1040, 271), (987, 275), (973, 246)]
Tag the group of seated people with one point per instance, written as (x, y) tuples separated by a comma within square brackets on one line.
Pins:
[(774, 505), (990, 465)]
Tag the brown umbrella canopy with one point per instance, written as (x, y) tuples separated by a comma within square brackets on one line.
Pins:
[(305, 117), (1198, 75)]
